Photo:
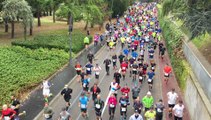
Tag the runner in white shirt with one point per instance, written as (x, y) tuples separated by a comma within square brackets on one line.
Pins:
[(136, 116), (46, 90), (114, 87), (172, 98), (178, 111), (97, 70)]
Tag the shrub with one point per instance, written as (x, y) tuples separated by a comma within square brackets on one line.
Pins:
[(59, 41), (23, 69)]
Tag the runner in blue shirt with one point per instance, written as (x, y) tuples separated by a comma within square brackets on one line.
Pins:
[(89, 68), (150, 74), (85, 83), (83, 102)]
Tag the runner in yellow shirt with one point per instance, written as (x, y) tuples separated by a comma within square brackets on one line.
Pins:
[(122, 41), (150, 114)]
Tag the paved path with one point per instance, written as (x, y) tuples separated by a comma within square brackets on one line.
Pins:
[(104, 83)]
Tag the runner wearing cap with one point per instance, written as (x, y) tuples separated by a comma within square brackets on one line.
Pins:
[(148, 101), (136, 116)]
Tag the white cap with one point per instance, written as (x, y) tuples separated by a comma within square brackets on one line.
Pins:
[(149, 93), (66, 86)]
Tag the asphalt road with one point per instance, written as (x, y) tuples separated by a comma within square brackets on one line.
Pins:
[(104, 82)]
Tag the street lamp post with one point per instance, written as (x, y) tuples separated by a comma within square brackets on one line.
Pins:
[(70, 31)]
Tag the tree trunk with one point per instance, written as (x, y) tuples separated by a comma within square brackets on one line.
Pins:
[(92, 25), (38, 18), (47, 13), (6, 25), (25, 30), (12, 29), (50, 12), (31, 29), (54, 15), (18, 19), (86, 26)]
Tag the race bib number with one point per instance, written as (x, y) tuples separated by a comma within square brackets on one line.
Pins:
[(47, 115), (114, 60), (88, 69), (84, 84), (149, 80), (159, 110), (124, 68), (134, 69), (123, 109), (97, 106), (140, 77), (151, 54), (97, 73), (83, 106), (153, 68), (6, 118), (166, 74), (112, 106)]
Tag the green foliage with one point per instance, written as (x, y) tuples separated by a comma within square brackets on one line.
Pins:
[(195, 14), (119, 7), (22, 69), (173, 37), (59, 41), (202, 40)]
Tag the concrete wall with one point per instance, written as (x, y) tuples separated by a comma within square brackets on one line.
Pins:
[(197, 102), (199, 69)]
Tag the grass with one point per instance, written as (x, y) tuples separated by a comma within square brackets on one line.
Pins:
[(202, 41)]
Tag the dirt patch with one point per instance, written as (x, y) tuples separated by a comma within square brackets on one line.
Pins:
[(206, 51)]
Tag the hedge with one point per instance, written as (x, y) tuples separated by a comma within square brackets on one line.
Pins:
[(59, 41), (173, 37)]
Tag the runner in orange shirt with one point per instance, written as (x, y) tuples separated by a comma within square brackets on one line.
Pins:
[(167, 71)]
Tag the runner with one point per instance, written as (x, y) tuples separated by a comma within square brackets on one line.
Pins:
[(46, 90), (124, 67), (153, 65), (114, 60), (83, 103), (136, 116), (89, 67), (48, 112), (64, 115), (90, 57), (172, 98), (122, 41), (66, 93), (124, 102), (7, 113), (117, 76), (114, 87), (150, 74), (141, 75), (135, 70), (112, 102), (97, 70), (137, 105), (148, 101), (85, 83), (121, 58), (125, 91), (150, 114), (159, 107), (167, 72), (15, 105), (78, 69), (96, 39), (99, 104), (86, 42), (178, 111), (82, 75), (95, 91), (107, 63), (162, 51)]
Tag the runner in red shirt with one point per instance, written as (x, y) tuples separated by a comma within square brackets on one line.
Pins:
[(125, 91), (124, 67), (78, 69), (7, 113), (167, 71)]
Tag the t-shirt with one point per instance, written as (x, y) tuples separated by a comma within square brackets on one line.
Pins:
[(159, 108), (88, 67), (64, 115), (136, 117), (178, 110), (167, 69), (150, 115), (14, 104), (121, 57), (107, 62), (150, 75), (84, 101), (172, 97)]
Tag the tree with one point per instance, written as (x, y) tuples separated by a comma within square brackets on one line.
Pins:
[(14, 8), (196, 14)]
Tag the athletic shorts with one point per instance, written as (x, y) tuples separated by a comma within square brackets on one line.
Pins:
[(98, 112), (171, 105), (134, 72), (166, 75), (78, 72), (96, 76), (83, 110), (86, 43), (134, 97), (150, 82)]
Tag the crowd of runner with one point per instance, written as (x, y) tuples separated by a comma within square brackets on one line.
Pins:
[(139, 34)]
